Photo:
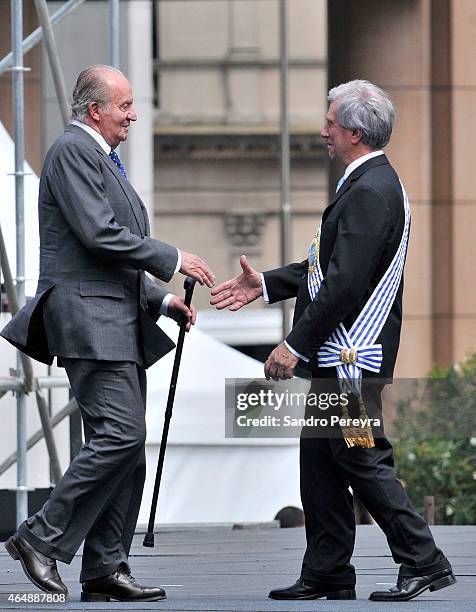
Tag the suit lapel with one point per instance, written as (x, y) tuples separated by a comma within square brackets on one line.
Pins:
[(345, 187), (128, 191), (146, 219), (380, 160), (126, 187), (144, 214)]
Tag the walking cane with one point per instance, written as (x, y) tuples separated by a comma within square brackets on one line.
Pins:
[(188, 285)]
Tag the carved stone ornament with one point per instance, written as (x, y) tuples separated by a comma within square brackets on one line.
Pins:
[(244, 229)]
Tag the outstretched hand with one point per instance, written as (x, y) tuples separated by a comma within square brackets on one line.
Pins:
[(239, 291), (194, 266), (178, 312)]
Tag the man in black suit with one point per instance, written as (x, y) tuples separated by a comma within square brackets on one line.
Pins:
[(95, 309), (358, 252)]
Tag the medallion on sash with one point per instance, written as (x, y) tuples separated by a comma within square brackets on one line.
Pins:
[(313, 252), (351, 351), (313, 258)]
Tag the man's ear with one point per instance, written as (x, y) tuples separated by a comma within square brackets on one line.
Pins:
[(94, 113), (357, 136)]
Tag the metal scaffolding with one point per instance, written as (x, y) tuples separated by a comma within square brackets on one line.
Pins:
[(22, 380)]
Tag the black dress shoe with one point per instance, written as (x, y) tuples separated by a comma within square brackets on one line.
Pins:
[(120, 586), (305, 590), (409, 587), (39, 568)]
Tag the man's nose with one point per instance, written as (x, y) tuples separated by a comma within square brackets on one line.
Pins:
[(324, 132), (132, 115)]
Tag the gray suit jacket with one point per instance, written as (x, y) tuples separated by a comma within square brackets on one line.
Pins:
[(93, 299)]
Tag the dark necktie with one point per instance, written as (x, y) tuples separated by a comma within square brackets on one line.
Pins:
[(115, 158)]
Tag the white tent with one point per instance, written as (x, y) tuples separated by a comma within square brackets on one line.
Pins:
[(7, 211), (207, 477)]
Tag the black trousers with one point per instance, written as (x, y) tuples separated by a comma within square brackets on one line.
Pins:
[(98, 499), (328, 468)]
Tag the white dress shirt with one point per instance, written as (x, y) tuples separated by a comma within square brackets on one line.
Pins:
[(359, 161), (99, 138), (350, 168)]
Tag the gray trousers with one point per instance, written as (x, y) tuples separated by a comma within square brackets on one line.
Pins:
[(98, 499)]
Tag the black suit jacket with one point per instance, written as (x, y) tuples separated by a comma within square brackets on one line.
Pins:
[(360, 234), (93, 299)]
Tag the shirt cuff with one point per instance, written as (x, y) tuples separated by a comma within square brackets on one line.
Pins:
[(179, 262), (164, 307), (263, 286), (290, 348)]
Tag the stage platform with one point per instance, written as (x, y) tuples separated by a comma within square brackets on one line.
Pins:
[(214, 568)]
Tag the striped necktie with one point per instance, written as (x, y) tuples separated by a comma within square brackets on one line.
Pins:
[(115, 158), (340, 183)]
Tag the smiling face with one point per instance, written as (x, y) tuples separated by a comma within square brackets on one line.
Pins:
[(113, 119), (340, 142)]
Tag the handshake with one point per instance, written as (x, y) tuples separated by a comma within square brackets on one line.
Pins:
[(232, 294)]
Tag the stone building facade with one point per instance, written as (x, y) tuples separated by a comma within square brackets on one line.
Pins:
[(205, 151)]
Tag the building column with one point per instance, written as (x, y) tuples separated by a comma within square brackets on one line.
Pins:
[(137, 30), (420, 51)]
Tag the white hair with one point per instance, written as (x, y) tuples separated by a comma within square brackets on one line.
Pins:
[(91, 86), (363, 105)]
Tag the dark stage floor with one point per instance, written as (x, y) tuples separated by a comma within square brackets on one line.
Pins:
[(214, 568)]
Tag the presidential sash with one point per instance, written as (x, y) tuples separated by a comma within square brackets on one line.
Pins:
[(351, 351)]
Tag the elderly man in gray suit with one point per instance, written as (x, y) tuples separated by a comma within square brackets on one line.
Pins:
[(95, 309)]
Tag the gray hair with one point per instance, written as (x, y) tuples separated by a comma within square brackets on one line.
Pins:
[(91, 86), (363, 105)]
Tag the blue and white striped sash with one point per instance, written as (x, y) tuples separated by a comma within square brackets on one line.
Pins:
[(359, 342)]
